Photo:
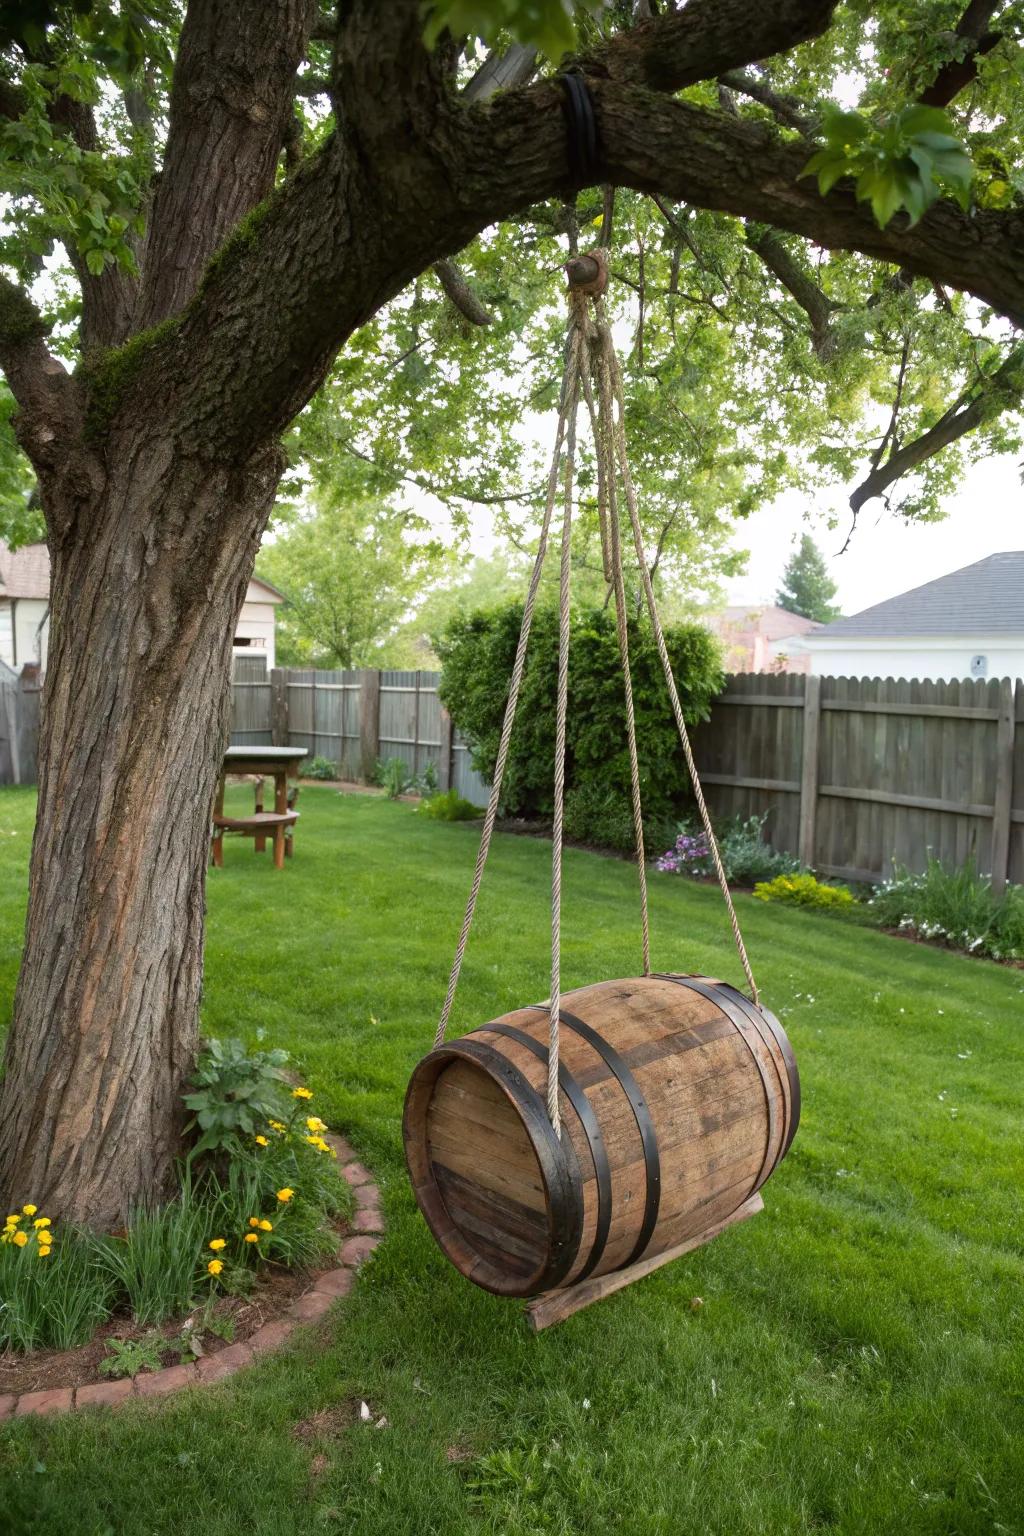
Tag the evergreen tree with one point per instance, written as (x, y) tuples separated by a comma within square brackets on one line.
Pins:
[(807, 588)]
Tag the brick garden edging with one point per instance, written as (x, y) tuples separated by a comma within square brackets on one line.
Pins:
[(310, 1307)]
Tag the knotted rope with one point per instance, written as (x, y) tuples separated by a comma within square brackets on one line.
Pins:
[(606, 411)]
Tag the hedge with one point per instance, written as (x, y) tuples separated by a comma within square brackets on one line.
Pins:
[(477, 651)]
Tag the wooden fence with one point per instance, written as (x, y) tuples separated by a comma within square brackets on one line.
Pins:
[(19, 724), (858, 772), (354, 719)]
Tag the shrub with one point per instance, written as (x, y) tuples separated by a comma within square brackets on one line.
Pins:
[(234, 1090), (320, 768), (393, 776), (746, 857), (477, 652), (955, 907), (805, 891), (451, 806)]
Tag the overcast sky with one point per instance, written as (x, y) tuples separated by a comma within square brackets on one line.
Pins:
[(886, 555)]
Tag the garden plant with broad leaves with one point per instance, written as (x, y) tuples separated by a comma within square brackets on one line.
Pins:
[(229, 224)]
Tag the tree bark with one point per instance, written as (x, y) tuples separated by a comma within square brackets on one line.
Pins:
[(146, 590)]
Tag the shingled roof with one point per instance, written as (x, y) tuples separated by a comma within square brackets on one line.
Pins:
[(984, 598)]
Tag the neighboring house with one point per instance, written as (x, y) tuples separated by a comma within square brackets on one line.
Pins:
[(25, 609), (757, 638), (967, 624)]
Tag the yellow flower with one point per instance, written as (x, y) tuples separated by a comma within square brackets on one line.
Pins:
[(314, 1123), (218, 1243), (252, 1237), (44, 1253), (254, 1221), (284, 1195), (12, 1221), (41, 1222), (301, 1093), (276, 1125), (215, 1266), (314, 1141), (30, 1210), (266, 1226), (20, 1239), (261, 1141)]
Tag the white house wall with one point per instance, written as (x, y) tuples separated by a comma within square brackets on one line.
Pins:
[(256, 624), (6, 634), (941, 660), (29, 614)]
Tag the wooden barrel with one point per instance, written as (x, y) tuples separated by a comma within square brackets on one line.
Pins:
[(678, 1097)]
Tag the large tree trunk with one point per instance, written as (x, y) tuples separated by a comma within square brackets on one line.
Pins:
[(146, 590)]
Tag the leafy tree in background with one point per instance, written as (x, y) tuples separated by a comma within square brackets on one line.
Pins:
[(350, 572), (807, 588), (225, 253)]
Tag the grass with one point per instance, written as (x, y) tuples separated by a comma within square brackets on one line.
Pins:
[(857, 1365)]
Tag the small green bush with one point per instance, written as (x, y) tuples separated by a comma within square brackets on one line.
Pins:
[(954, 907), (234, 1090), (321, 768), (477, 652), (805, 891), (393, 776), (451, 806)]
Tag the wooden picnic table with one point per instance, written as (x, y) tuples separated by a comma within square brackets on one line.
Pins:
[(278, 763)]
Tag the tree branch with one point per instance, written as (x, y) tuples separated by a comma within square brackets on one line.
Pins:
[(785, 109), (39, 382), (972, 29), (231, 97), (411, 176), (815, 304), (705, 39), (1003, 391), (459, 292)]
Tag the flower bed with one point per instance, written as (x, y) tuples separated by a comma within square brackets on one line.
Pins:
[(55, 1381)]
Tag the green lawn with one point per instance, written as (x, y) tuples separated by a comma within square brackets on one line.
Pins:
[(857, 1365)]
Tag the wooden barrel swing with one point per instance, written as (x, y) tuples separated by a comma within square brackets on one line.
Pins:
[(570, 1147)]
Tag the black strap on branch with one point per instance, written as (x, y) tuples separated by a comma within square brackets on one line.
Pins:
[(585, 158)]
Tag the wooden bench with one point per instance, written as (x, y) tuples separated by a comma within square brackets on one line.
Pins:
[(260, 825)]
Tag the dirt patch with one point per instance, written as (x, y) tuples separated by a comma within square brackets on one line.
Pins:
[(328, 1424), (239, 1317)]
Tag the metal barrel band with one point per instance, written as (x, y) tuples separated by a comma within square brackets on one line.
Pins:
[(592, 1130), (644, 1124), (559, 1169)]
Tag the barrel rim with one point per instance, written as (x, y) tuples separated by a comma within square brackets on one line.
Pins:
[(560, 1175)]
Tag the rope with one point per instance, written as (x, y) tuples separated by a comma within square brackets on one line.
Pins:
[(608, 515), (579, 326), (607, 418), (567, 409), (618, 424)]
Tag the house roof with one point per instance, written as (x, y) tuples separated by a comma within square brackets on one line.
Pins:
[(980, 599), (25, 572), (765, 619), (274, 593)]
